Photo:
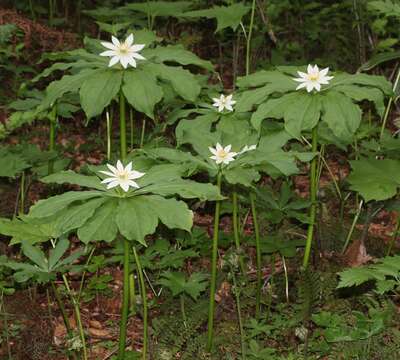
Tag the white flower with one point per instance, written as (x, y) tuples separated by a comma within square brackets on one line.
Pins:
[(247, 148), (222, 154), (224, 102), (121, 176), (125, 52), (313, 79)]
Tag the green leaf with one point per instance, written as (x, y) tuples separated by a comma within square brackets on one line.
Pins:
[(136, 218), (240, 175), (178, 284), (141, 90), (178, 54), (375, 179), (379, 59), (341, 115), (68, 83), (36, 255), (50, 206), (302, 114), (172, 213), (102, 225), (182, 81), (98, 90), (160, 8), (72, 177), (56, 253), (11, 164), (227, 16)]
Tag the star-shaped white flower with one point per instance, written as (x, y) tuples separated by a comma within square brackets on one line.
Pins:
[(222, 154), (247, 148), (121, 176), (313, 79), (124, 52), (224, 102)]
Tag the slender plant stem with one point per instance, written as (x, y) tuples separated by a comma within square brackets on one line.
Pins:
[(394, 237), (389, 105), (182, 301), (32, 10), (77, 312), (122, 125), (84, 273), (286, 279), (22, 194), (144, 302), (125, 302), (313, 198), (214, 256), (109, 141), (248, 45), (353, 226), (142, 133), (52, 141), (131, 128), (132, 291), (236, 235), (239, 314), (51, 12), (5, 325), (258, 254)]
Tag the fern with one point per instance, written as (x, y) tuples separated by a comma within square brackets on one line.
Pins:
[(385, 273), (309, 293)]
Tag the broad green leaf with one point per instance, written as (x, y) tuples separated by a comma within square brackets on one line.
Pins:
[(273, 108), (226, 16), (178, 54), (341, 114), (50, 206), (11, 164), (35, 254), (141, 90), (243, 176), (172, 213), (379, 59), (178, 283), (302, 114), (75, 216), (160, 8), (375, 179), (102, 225), (72, 177), (59, 250), (136, 218), (182, 81), (68, 83), (98, 90)]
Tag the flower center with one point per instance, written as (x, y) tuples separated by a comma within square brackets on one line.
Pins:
[(123, 49), (222, 154), (123, 176), (313, 77)]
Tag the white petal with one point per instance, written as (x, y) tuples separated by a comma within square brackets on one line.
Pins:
[(228, 148), (221, 108), (133, 184), (310, 87), (135, 175), (125, 61), (132, 62), (120, 166), (324, 72), (129, 40), (108, 45), (115, 41), (113, 184), (137, 47), (212, 150), (108, 53), (317, 86), (229, 107), (138, 56), (219, 147), (128, 167), (112, 168), (124, 185), (108, 180), (310, 68), (114, 60), (107, 173), (233, 102), (301, 86)]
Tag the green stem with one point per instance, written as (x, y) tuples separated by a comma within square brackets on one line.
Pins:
[(51, 12), (394, 237), (353, 226), (52, 142), (122, 125), (78, 318), (144, 302), (5, 321), (236, 235), (109, 126), (131, 127), (239, 314), (142, 133), (22, 194), (214, 255), (84, 273), (182, 301), (132, 292), (258, 254), (125, 302), (313, 198), (389, 105), (248, 45), (32, 10)]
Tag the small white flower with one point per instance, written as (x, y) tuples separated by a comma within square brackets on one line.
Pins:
[(313, 79), (222, 154), (224, 102), (124, 52), (121, 176), (247, 148)]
